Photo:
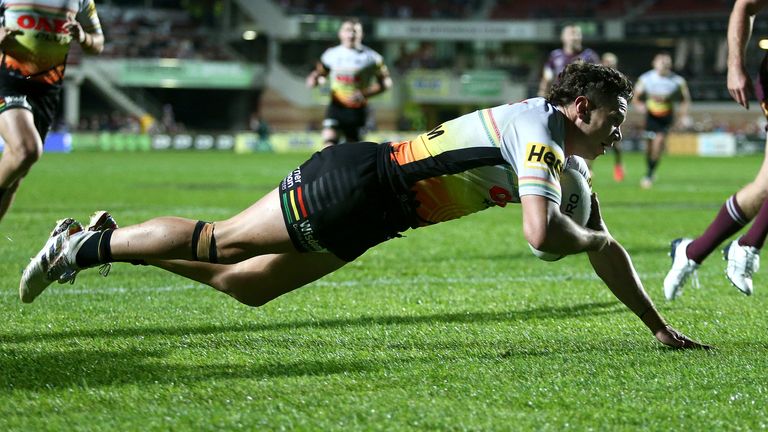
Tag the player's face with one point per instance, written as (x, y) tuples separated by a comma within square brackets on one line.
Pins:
[(351, 34), (662, 63), (603, 128), (571, 38)]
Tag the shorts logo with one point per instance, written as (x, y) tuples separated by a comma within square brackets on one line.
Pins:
[(541, 156), (306, 235), (14, 101), (293, 201), (293, 179)]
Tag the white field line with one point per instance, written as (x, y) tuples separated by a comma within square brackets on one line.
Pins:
[(97, 289)]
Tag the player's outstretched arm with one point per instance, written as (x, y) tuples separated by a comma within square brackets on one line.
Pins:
[(614, 266)]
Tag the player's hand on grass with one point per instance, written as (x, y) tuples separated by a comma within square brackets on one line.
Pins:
[(674, 339)]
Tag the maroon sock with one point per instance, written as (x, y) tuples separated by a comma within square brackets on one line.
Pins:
[(755, 236), (728, 221)]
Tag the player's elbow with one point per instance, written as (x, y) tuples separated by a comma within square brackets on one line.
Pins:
[(97, 46), (536, 234)]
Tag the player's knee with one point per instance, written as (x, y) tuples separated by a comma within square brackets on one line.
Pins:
[(330, 135), (204, 243), (251, 300), (24, 155), (247, 295), (330, 140), (761, 194)]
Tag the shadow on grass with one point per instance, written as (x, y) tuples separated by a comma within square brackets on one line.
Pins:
[(23, 368), (97, 368), (548, 312)]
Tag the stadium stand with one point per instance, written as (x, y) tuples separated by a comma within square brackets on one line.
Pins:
[(203, 31)]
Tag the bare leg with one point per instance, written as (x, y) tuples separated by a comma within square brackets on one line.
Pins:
[(330, 136), (618, 168), (260, 279), (657, 146), (617, 153), (23, 148), (653, 153), (259, 261), (257, 230), (752, 195), (6, 198)]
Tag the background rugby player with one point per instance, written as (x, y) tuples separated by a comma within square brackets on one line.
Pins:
[(356, 73), (656, 93), (35, 38)]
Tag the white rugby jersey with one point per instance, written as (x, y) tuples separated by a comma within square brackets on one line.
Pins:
[(351, 69), (486, 158), (661, 91), (41, 48)]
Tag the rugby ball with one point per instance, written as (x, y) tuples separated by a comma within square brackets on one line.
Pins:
[(576, 201)]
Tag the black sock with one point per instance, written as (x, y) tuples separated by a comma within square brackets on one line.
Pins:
[(2, 193), (96, 250), (651, 167)]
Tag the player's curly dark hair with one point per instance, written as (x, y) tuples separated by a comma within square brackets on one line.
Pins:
[(596, 82)]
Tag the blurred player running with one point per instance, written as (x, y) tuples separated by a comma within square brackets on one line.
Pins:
[(35, 38), (558, 59), (611, 60), (656, 93), (356, 73)]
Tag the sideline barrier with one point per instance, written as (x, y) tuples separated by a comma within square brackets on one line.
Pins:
[(714, 144), (55, 142), (692, 144)]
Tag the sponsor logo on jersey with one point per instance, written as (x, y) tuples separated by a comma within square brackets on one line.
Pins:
[(500, 196), (347, 79), (543, 157), (40, 23)]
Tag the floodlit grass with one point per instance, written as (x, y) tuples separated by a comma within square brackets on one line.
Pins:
[(455, 327)]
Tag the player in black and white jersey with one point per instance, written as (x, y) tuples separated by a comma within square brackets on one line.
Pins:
[(356, 73), (346, 199), (657, 94)]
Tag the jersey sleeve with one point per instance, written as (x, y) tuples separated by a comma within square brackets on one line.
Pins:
[(539, 160), (327, 59), (378, 59), (88, 18)]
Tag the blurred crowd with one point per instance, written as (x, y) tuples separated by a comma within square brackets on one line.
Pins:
[(159, 33), (435, 9)]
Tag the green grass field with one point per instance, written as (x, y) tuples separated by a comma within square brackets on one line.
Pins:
[(455, 327)]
